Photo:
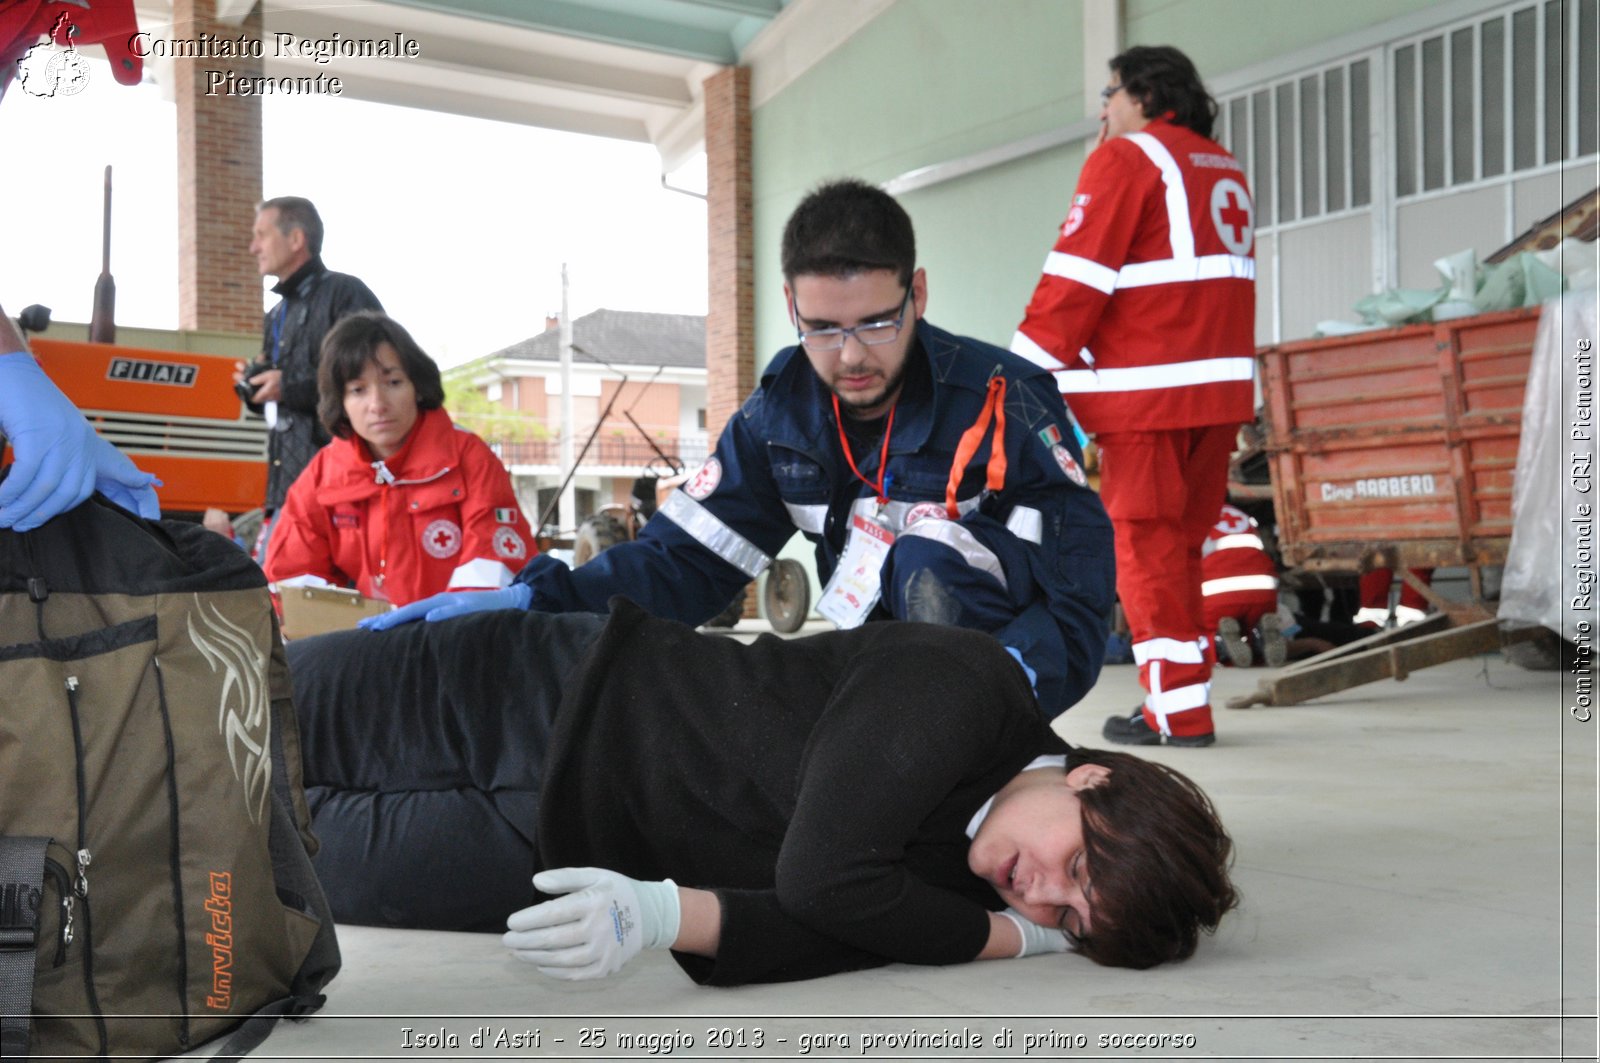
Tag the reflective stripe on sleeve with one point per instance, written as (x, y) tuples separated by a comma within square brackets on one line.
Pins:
[(1027, 524), (897, 511), (1083, 270), (958, 538), (1181, 270), (1229, 584), (807, 518), (710, 532), (1153, 377), (1023, 346)]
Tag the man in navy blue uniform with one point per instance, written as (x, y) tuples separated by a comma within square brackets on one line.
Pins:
[(937, 476)]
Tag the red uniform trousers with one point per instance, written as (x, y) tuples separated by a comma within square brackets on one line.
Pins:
[(1163, 490), (1247, 607)]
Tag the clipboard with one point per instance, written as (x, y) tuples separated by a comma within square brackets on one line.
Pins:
[(308, 611)]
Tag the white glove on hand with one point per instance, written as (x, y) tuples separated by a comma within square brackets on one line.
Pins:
[(1037, 940), (602, 922)]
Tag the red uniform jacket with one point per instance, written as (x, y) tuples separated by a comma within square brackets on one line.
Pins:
[(1148, 298), (439, 514)]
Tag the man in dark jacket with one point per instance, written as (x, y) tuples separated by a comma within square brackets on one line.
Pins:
[(287, 244), (889, 793), (936, 476)]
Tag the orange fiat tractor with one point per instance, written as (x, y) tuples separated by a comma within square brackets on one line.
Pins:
[(174, 413)]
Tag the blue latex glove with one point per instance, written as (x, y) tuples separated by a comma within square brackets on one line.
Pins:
[(452, 603), (59, 460), (1033, 677)]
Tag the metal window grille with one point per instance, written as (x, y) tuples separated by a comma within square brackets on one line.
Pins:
[(1487, 98), (1494, 96), (1304, 142)]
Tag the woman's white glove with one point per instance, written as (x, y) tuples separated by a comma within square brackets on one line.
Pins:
[(1037, 940), (602, 922)]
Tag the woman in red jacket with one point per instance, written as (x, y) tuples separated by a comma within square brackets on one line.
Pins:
[(402, 504)]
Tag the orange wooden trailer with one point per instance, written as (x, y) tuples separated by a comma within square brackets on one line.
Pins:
[(1397, 448)]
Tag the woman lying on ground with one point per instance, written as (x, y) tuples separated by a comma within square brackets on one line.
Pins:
[(771, 811)]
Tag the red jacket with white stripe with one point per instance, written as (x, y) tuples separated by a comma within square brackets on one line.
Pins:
[(1148, 298), (440, 515), (1235, 569)]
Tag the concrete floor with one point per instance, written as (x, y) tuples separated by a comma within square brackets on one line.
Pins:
[(1418, 867)]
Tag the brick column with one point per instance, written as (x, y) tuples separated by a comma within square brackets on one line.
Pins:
[(730, 316), (219, 180)]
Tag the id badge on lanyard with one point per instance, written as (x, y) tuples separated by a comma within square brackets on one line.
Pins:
[(856, 585)]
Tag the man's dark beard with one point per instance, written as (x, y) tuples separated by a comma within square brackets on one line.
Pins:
[(891, 391)]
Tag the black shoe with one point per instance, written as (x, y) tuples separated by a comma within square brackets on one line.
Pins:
[(1235, 647), (1133, 731)]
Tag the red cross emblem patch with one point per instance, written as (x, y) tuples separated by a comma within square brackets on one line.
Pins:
[(705, 481), (442, 538), (508, 544), (1069, 466), (1233, 216)]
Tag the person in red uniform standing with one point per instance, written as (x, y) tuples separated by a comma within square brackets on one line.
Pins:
[(1239, 591), (1148, 301), (402, 504)]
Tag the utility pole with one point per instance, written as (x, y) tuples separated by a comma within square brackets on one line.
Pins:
[(567, 510)]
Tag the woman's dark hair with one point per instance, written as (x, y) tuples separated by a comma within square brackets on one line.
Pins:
[(1164, 81), (1158, 860), (350, 345), (846, 227)]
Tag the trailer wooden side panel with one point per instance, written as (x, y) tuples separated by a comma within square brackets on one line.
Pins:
[(1400, 443)]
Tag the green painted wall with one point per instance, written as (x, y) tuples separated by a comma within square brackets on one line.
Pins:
[(926, 81), (1209, 30), (933, 80)]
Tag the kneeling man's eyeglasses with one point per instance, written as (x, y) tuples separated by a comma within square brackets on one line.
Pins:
[(871, 333)]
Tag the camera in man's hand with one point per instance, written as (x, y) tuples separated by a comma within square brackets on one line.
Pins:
[(244, 389)]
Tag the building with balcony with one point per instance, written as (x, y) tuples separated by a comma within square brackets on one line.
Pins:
[(638, 385)]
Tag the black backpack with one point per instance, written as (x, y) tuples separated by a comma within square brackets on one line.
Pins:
[(156, 889)]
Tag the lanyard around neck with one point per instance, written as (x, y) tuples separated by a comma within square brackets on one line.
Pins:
[(883, 455), (994, 406), (277, 329)]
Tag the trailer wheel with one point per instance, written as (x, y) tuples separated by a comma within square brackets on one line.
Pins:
[(595, 535), (787, 596)]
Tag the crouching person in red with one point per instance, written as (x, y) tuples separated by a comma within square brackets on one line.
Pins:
[(773, 811), (402, 504), (1239, 592)]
